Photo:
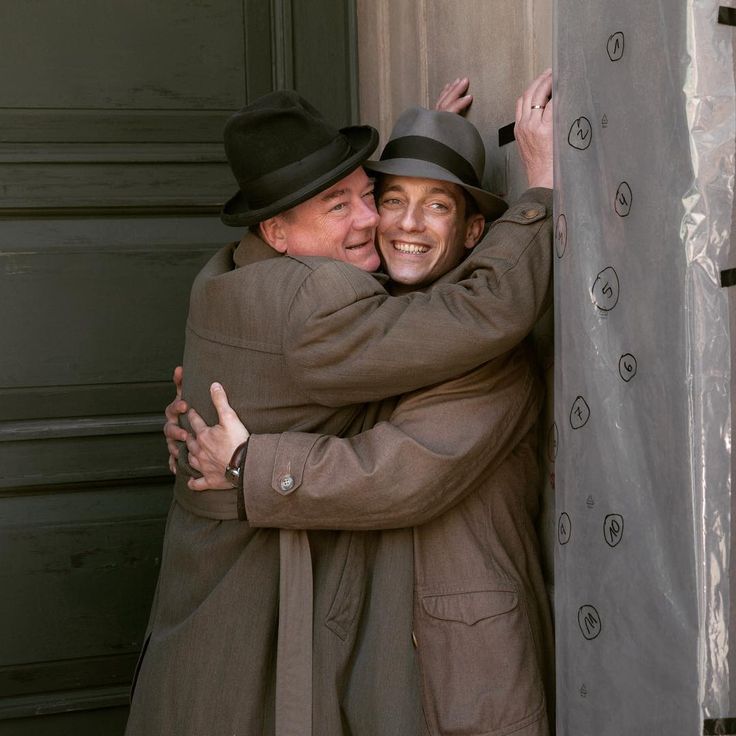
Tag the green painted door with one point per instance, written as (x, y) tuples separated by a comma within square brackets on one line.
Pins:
[(111, 176)]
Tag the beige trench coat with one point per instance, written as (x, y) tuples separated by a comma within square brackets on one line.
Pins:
[(300, 344)]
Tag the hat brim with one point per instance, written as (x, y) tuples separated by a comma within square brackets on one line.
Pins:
[(489, 204), (363, 140)]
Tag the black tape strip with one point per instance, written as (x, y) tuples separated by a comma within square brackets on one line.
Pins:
[(719, 727), (728, 277), (506, 134), (727, 16)]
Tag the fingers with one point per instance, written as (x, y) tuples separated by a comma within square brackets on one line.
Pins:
[(543, 92), (460, 105), (206, 483), (225, 412), (174, 434), (174, 409), (198, 484), (443, 95), (548, 113), (197, 423), (536, 90), (453, 97), (192, 451), (177, 378), (524, 107), (542, 89), (228, 419), (172, 431), (534, 115), (537, 94), (449, 91), (193, 459)]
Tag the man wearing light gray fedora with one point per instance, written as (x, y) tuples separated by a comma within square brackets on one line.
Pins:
[(455, 461)]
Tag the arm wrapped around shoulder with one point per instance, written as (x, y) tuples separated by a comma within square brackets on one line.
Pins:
[(347, 341)]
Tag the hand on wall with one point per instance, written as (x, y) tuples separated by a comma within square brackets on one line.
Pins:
[(533, 130), (453, 97)]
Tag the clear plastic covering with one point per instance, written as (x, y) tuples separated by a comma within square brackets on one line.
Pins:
[(645, 128)]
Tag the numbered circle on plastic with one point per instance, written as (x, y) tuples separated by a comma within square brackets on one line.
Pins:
[(627, 366), (605, 289), (589, 621), (564, 528), (613, 529), (580, 413), (615, 46), (581, 133), (561, 236)]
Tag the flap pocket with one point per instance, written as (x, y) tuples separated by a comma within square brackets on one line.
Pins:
[(471, 607)]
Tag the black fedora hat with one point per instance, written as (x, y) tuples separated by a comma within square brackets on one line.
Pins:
[(282, 152), (431, 144)]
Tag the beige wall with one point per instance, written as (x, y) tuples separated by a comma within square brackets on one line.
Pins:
[(408, 49)]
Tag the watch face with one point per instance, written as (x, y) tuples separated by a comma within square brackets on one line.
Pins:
[(233, 475)]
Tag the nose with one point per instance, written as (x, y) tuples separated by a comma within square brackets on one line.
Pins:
[(411, 219), (366, 215)]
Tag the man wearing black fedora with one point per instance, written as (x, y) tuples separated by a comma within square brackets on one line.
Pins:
[(255, 630)]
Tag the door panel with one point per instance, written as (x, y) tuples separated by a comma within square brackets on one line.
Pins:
[(112, 174), (167, 55)]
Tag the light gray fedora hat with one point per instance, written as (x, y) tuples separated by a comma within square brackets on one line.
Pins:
[(431, 144)]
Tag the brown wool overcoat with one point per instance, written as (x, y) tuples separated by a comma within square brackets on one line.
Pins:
[(301, 344), (458, 462)]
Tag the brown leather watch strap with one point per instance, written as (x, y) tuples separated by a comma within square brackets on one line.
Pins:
[(234, 474)]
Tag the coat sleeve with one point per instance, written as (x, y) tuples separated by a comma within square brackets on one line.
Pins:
[(377, 346), (437, 445)]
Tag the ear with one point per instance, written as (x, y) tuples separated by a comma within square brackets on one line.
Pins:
[(272, 231), (473, 230)]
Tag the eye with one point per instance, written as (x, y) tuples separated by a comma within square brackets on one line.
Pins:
[(339, 207), (369, 194), (390, 201), (439, 206)]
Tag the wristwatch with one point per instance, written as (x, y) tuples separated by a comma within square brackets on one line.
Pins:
[(234, 469)]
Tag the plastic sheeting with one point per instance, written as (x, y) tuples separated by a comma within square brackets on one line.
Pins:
[(645, 128)]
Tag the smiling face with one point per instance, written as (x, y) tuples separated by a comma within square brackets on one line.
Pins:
[(338, 223), (423, 232)]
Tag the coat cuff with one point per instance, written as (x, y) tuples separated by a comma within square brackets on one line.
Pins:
[(274, 469)]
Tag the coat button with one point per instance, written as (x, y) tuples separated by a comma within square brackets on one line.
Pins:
[(530, 214), (286, 483), (414, 640)]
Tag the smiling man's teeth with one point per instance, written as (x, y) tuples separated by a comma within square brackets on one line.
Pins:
[(410, 248)]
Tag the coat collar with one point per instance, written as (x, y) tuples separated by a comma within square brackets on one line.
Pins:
[(252, 249)]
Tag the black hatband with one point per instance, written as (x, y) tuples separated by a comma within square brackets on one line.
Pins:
[(428, 149)]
